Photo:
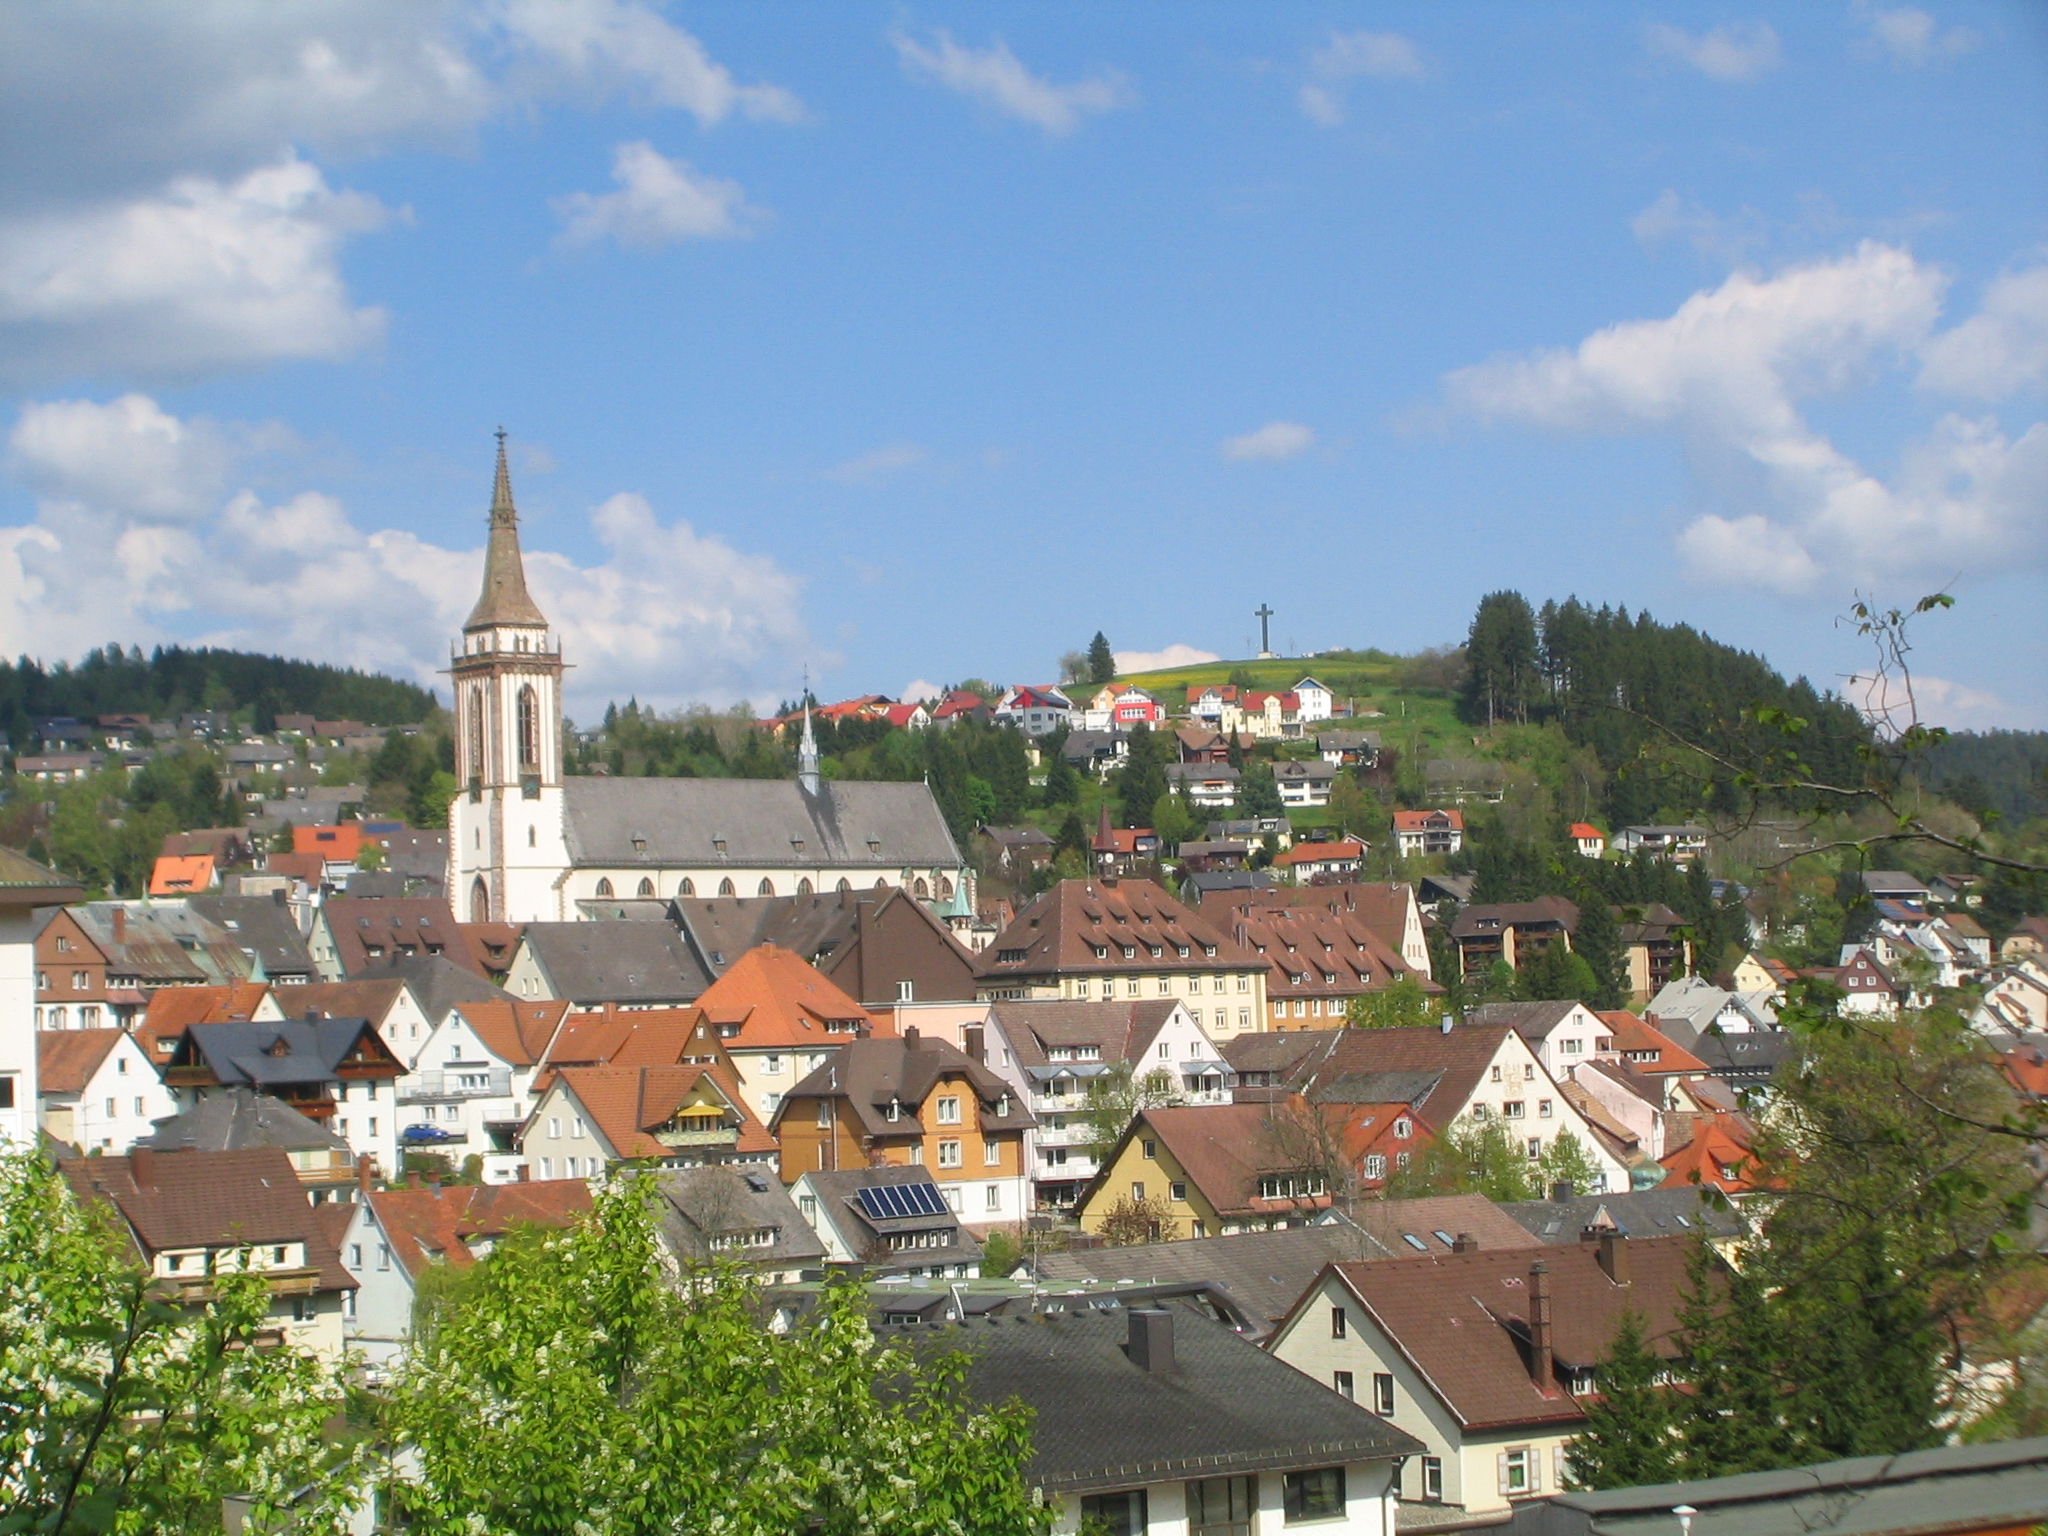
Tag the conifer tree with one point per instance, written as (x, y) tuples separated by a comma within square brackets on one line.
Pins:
[(1142, 780), (1732, 1419), (1101, 663), (1629, 1439), (1598, 943)]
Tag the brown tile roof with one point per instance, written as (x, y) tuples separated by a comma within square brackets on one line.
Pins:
[(629, 1103), (210, 1199), (1333, 954), (1495, 916), (1120, 1029), (1223, 1149), (1379, 907), (1462, 1319), (770, 997), (870, 1073), (1062, 931), (436, 1224), (1460, 1056), (307, 868), (513, 1031), (491, 945), (389, 924), (371, 999), (67, 1058), (625, 1037)]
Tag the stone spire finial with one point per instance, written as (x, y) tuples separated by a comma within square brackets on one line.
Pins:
[(504, 599), (808, 777)]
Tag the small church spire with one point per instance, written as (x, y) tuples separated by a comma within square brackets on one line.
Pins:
[(807, 776), (1105, 848), (504, 599)]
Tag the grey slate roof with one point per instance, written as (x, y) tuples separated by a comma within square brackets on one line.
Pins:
[(1954, 1488), (1265, 1272), (260, 924), (1103, 1421), (437, 983), (1643, 1213), (618, 962), (836, 1204), (699, 1204), (238, 1117), (242, 1052), (679, 822)]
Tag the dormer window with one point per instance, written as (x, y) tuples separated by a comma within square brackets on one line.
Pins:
[(639, 844), (1130, 952), (718, 843), (1209, 951), (1183, 951), (1102, 951)]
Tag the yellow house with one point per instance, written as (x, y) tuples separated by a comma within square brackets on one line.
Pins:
[(1205, 1171)]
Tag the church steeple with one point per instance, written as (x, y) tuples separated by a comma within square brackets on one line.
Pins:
[(504, 599), (808, 777)]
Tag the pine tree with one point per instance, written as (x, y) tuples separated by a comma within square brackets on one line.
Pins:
[(1061, 782), (1629, 1439), (1101, 663), (1732, 1420), (1598, 943), (1142, 779)]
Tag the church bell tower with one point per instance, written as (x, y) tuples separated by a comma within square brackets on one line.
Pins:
[(505, 827)]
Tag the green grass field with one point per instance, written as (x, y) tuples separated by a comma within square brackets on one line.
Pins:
[(1411, 718)]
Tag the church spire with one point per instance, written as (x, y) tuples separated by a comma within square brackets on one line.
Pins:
[(504, 599), (807, 776)]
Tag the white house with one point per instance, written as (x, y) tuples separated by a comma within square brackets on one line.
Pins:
[(1316, 701), (1035, 711), (471, 1087), (98, 1090), (24, 886)]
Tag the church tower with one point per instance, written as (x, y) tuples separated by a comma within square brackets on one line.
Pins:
[(506, 849)]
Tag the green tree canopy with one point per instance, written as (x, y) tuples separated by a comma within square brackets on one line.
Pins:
[(1101, 663), (571, 1388), (1629, 1439), (122, 1411)]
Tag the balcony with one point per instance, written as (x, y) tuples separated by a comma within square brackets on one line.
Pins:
[(723, 1136), (1078, 1135), (459, 1083)]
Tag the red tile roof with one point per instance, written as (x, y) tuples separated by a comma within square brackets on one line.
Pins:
[(515, 1032), (1423, 821), (437, 1224), (1317, 853), (1063, 929), (1585, 829), (181, 874), (1633, 1038), (172, 1010), (1718, 1156)]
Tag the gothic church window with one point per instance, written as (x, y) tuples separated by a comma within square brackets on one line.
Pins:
[(725, 888), (687, 888), (767, 887), (604, 887), (476, 733), (646, 887), (529, 727)]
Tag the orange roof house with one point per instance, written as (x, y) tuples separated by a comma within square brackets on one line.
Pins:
[(338, 844), (772, 999), (447, 1224), (182, 874), (679, 1116), (1648, 1049), (1718, 1156), (173, 1010)]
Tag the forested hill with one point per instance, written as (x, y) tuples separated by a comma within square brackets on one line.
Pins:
[(173, 680), (2002, 771), (1610, 680)]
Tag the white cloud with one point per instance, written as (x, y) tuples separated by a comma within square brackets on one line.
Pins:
[(1933, 700), (659, 202), (878, 464), (1275, 440), (666, 609), (997, 78), (159, 215), (1175, 655), (1731, 54), (206, 275), (606, 45), (1909, 37), (1349, 56), (1671, 217), (2002, 348), (1725, 373), (918, 692)]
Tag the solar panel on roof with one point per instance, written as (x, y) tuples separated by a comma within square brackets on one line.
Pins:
[(893, 1202)]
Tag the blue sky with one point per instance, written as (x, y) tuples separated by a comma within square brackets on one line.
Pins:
[(908, 342)]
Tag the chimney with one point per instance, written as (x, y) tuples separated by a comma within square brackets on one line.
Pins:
[(413, 1179), (1614, 1256), (1151, 1341), (1590, 1234), (1464, 1242), (910, 1031), (1562, 1191), (363, 1173), (120, 924), (971, 1039), (142, 1166), (1540, 1366)]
